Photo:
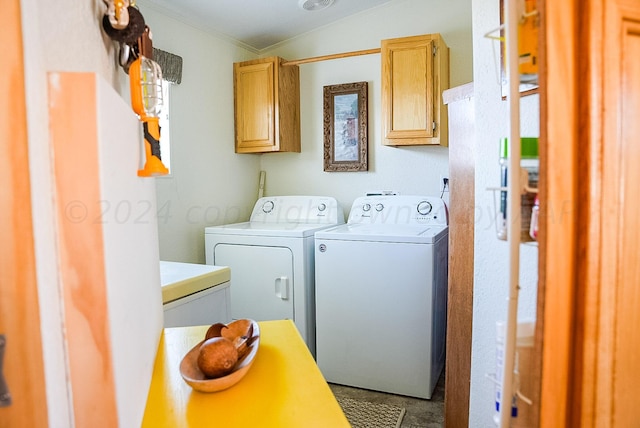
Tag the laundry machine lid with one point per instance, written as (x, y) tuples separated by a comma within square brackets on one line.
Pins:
[(418, 234), (182, 279)]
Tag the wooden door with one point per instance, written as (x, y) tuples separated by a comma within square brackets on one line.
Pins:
[(19, 311), (590, 273), (611, 396)]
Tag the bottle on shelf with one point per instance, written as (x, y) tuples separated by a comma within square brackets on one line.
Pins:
[(530, 165)]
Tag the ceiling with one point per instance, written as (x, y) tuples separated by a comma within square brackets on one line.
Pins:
[(257, 24)]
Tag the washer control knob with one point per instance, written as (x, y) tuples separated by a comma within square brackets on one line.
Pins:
[(322, 207), (366, 207), (267, 207), (379, 207), (424, 208)]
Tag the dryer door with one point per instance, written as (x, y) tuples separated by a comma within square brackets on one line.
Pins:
[(261, 280)]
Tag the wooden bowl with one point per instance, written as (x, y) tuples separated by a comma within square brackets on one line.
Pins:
[(197, 380)]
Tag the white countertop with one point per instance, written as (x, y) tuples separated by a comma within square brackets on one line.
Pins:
[(182, 279)]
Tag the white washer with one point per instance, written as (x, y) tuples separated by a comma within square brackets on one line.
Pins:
[(271, 258), (381, 295)]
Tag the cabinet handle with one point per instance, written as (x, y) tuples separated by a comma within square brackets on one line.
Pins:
[(282, 287), (5, 397)]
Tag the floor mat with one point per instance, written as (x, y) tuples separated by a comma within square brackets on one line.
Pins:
[(365, 414)]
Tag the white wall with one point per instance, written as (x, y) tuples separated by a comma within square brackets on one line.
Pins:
[(209, 183), (491, 263), (409, 170)]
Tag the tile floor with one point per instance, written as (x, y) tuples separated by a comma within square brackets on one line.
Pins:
[(419, 413)]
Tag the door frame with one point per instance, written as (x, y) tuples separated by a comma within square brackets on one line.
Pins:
[(23, 365)]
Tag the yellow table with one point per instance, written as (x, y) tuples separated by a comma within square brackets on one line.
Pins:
[(283, 388)]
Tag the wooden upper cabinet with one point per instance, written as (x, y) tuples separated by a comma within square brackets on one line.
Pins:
[(267, 106), (415, 71)]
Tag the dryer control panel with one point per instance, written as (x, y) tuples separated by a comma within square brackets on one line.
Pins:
[(298, 209), (399, 209)]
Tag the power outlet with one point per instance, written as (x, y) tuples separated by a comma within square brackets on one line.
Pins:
[(444, 184)]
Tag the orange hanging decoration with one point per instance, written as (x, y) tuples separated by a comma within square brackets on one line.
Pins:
[(145, 78)]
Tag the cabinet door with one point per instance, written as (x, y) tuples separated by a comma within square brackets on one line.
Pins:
[(415, 70), (261, 280), (254, 107), (408, 89)]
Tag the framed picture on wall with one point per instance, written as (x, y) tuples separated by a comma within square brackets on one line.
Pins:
[(345, 127)]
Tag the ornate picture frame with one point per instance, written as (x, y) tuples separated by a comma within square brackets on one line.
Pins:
[(345, 127)]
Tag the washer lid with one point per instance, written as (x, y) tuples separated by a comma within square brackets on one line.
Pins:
[(179, 280), (258, 228), (385, 233)]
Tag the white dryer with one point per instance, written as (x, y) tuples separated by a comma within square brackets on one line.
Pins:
[(381, 295), (271, 258)]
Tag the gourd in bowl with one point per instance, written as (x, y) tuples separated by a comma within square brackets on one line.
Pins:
[(213, 354)]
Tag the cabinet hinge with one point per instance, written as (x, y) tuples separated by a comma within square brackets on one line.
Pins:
[(434, 126), (434, 50)]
